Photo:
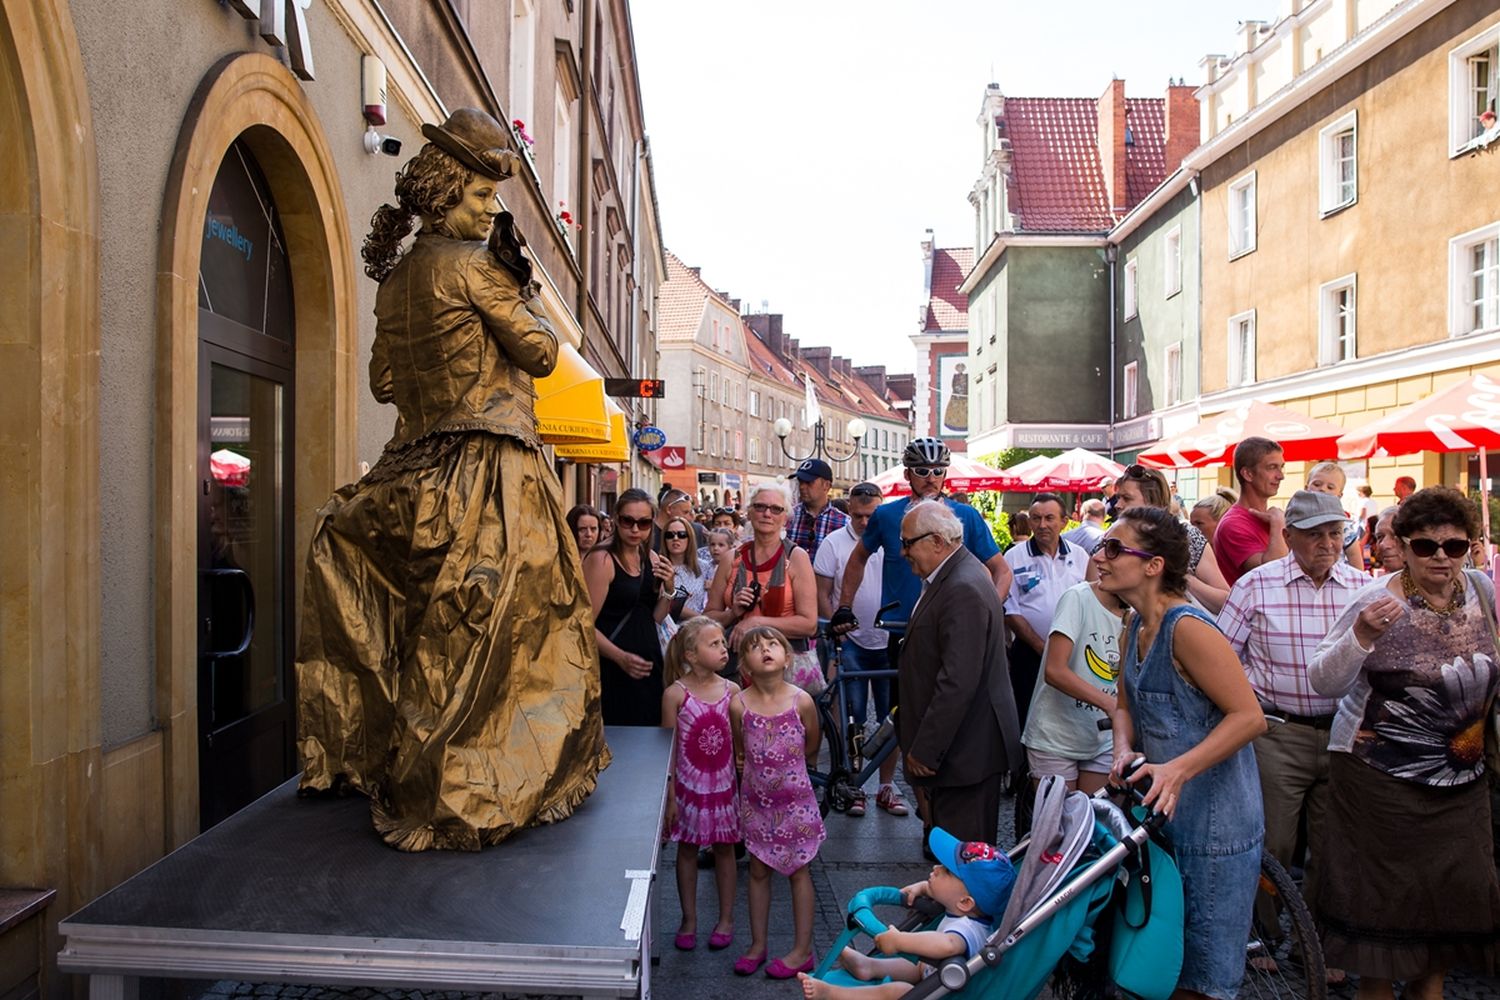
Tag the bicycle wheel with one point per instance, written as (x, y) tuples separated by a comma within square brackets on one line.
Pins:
[(1283, 957)]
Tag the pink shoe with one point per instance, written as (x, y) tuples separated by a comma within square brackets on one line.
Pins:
[(746, 965), (685, 942), (718, 942), (780, 970)]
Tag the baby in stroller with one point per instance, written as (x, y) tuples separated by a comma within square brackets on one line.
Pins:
[(972, 882)]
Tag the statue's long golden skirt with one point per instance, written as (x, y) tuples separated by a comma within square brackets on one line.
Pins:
[(447, 665)]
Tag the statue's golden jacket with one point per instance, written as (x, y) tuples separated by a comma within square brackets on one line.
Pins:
[(441, 315)]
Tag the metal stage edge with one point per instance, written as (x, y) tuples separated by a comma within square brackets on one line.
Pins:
[(209, 911)]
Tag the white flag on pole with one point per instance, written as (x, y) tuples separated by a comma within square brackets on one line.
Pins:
[(813, 413)]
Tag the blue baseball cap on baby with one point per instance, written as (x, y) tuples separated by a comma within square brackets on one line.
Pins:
[(984, 869)]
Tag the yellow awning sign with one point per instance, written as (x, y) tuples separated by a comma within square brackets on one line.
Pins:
[(616, 449), (570, 403)]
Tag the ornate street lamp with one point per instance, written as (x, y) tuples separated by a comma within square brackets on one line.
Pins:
[(821, 448)]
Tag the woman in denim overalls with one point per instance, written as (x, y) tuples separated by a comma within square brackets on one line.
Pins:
[(1188, 709)]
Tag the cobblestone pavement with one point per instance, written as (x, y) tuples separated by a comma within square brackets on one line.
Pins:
[(876, 850)]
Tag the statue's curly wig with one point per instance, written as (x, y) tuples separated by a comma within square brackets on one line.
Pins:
[(430, 184)]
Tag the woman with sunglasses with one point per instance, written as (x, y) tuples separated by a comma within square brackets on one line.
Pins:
[(1408, 887), (631, 589), (768, 581), (1143, 487), (691, 574), (1185, 705)]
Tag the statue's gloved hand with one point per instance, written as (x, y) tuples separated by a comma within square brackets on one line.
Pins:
[(505, 245)]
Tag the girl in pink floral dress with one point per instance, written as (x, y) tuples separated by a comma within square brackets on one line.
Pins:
[(704, 809), (775, 733)]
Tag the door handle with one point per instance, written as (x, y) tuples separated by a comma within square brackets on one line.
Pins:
[(247, 599)]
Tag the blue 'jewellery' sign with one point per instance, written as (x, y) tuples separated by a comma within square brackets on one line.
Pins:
[(649, 438)]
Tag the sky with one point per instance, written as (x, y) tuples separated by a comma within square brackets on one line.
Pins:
[(801, 147)]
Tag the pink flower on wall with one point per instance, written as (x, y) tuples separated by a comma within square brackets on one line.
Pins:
[(519, 127)]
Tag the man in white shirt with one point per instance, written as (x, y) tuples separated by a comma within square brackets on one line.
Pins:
[(865, 647), (1042, 567)]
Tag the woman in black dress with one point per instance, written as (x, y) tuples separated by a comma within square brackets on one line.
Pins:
[(631, 590)]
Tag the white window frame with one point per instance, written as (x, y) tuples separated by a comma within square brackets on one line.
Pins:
[(523, 73), (754, 450), (562, 155), (1172, 368), (739, 446), (713, 387), (1461, 275), (1236, 225), (713, 440), (1130, 396), (1331, 337), (1462, 121), (1332, 197), (1239, 324), (1131, 287), (1172, 270), (755, 402)]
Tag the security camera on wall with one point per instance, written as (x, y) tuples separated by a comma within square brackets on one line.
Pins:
[(377, 143)]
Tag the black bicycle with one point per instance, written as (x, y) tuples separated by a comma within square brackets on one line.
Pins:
[(853, 758)]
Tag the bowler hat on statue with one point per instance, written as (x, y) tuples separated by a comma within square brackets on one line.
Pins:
[(477, 141)]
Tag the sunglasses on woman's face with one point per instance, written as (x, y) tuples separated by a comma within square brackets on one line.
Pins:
[(1426, 548), (674, 535), (1113, 547), (1138, 472), (768, 508), (638, 523)]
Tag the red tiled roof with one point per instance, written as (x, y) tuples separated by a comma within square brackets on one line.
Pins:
[(947, 308), (1146, 156), (679, 311), (1057, 176)]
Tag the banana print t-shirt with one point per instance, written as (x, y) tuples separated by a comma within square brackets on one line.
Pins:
[(1058, 723)]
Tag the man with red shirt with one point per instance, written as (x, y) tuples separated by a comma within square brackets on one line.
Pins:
[(1251, 532)]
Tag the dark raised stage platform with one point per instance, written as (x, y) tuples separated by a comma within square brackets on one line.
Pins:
[(304, 891)]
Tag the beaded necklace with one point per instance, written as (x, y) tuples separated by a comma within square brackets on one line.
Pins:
[(1418, 600)]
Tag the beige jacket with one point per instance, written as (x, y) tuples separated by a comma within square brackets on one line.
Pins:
[(456, 344)]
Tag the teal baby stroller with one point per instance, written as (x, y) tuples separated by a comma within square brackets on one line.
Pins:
[(1095, 888)]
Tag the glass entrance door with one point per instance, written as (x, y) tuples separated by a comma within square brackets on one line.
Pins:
[(244, 677), (246, 725)]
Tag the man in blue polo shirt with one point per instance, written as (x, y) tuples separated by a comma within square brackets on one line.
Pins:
[(926, 461)]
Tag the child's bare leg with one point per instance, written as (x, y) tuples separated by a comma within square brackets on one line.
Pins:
[(802, 917), (816, 989), (870, 968), (724, 880), (760, 906), (687, 886)]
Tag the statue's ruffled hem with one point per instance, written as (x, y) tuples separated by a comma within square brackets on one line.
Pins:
[(447, 666)]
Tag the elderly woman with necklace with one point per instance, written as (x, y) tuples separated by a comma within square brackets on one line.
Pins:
[(447, 665), (1409, 888), (768, 581)]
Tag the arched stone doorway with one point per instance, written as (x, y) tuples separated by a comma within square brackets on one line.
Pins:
[(49, 448), (249, 101)]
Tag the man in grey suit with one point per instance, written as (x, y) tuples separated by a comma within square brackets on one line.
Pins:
[(958, 724)]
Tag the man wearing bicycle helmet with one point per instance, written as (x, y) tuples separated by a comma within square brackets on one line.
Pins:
[(926, 461)]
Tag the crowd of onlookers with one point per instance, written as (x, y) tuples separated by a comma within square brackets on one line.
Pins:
[(1314, 682)]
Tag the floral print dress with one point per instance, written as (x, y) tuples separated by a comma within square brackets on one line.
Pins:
[(778, 811)]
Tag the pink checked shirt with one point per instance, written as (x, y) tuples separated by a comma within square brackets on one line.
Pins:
[(1275, 618)]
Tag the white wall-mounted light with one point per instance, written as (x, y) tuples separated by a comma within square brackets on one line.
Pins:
[(783, 428)]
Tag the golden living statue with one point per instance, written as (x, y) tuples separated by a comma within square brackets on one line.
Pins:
[(447, 666)]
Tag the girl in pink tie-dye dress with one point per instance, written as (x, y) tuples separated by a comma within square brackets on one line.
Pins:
[(776, 729), (704, 808)]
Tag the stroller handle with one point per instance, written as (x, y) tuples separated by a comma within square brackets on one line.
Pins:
[(861, 915)]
